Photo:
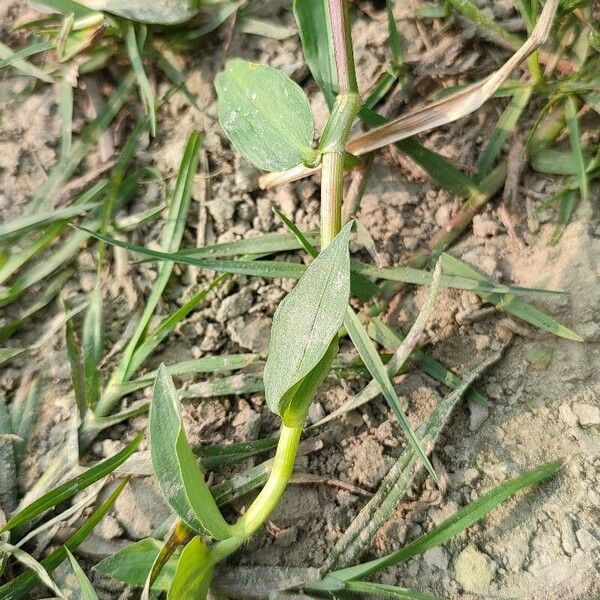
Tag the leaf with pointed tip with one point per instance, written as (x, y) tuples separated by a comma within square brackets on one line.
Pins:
[(175, 466), (85, 585), (265, 115), (305, 324), (194, 572)]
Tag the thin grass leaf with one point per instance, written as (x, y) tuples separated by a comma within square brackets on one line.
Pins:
[(395, 41), (152, 341), (287, 270), (20, 586), (93, 346), (268, 243), (26, 52), (576, 150), (73, 486), (146, 93), (314, 26), (213, 457), (370, 357), (22, 225), (233, 385), (391, 340), (50, 291), (75, 354), (15, 261), (80, 149), (64, 7), (171, 239), (470, 11), (217, 17), (553, 162), (9, 58), (33, 565), (504, 127), (179, 476), (568, 203), (508, 303), (24, 412), (7, 354), (206, 364), (399, 479), (461, 520), (63, 35), (85, 585), (8, 473), (380, 590)]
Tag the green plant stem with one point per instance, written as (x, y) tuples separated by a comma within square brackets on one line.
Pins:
[(267, 500)]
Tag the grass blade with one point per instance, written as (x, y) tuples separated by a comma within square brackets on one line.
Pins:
[(85, 585), (171, 239), (75, 354), (461, 520), (511, 305), (380, 590), (576, 150), (33, 565), (133, 50), (399, 479), (20, 586), (73, 486), (93, 346), (10, 57), (369, 356), (391, 340)]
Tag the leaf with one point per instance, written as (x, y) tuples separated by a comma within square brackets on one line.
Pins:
[(509, 303), (7, 354), (157, 13), (85, 585), (194, 572), (132, 564), (175, 466), (21, 585), (93, 346), (73, 486), (265, 115), (374, 364), (380, 590), (75, 355), (576, 150), (458, 522), (172, 235), (133, 49), (22, 225), (314, 27), (34, 565), (395, 41), (9, 56), (306, 322)]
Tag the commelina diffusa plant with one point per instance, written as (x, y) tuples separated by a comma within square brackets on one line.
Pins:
[(267, 117)]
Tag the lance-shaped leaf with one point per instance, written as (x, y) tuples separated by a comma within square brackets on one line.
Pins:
[(265, 115), (305, 324), (194, 572), (175, 466)]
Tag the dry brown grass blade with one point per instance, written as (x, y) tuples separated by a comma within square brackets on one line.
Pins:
[(434, 114)]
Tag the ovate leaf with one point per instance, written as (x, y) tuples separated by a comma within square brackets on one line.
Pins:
[(265, 115), (194, 572), (305, 324), (175, 466), (163, 13)]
